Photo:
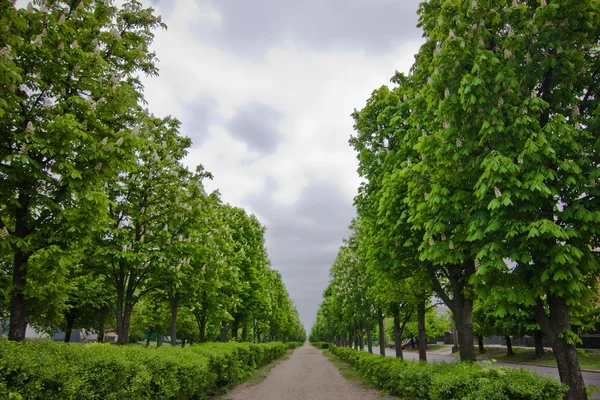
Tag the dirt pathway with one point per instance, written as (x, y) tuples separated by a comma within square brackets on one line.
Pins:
[(306, 375)]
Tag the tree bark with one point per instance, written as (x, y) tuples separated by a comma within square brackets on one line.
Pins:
[(369, 338), (398, 335), (422, 332), (174, 303), (70, 317), (19, 317), (125, 303), (480, 343), (159, 339), (509, 349), (461, 307), (149, 338), (380, 320), (201, 321), (245, 332), (538, 343), (223, 333), (234, 329), (553, 326)]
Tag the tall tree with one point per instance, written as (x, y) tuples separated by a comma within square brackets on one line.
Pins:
[(68, 93)]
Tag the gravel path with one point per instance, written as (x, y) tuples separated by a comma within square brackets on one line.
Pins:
[(306, 375)]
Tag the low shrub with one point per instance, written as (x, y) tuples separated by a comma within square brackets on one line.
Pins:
[(321, 345), (47, 370), (445, 381)]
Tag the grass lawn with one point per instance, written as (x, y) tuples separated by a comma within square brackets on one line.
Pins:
[(588, 360)]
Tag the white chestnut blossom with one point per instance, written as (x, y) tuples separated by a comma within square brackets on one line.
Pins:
[(29, 128), (497, 192)]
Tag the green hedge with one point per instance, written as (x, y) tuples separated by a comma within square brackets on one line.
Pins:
[(46, 370), (445, 381), (320, 345)]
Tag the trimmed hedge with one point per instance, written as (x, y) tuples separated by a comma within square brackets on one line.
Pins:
[(445, 381), (47, 370), (320, 345)]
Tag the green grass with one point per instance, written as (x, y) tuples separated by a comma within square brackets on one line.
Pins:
[(589, 359)]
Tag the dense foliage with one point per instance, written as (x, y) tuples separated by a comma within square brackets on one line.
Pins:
[(103, 227), (445, 381), (481, 169), (47, 370)]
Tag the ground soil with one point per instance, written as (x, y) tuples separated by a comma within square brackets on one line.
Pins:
[(306, 375)]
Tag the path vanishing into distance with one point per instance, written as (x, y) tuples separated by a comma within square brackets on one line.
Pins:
[(306, 375)]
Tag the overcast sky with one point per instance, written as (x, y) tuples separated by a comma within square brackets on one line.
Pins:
[(265, 89)]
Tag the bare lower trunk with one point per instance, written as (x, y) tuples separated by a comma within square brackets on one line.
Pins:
[(123, 317), (234, 329), (369, 339), (149, 338), (69, 328), (554, 326), (509, 350), (125, 303), (422, 332), (223, 333), (245, 332), (398, 336), (461, 307), (380, 320), (174, 305), (18, 306), (538, 343), (159, 339), (480, 343)]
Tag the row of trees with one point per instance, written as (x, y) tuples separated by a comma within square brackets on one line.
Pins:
[(481, 167), (97, 211)]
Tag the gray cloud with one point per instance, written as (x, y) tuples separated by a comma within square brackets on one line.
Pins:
[(252, 27), (303, 239), (198, 115), (256, 125)]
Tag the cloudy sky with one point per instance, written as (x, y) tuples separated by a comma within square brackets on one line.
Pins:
[(265, 89)]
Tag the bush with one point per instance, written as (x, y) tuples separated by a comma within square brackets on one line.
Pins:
[(445, 381), (321, 345), (47, 370)]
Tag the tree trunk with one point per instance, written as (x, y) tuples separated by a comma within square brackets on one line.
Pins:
[(245, 332), (183, 343), (361, 345), (398, 335), (422, 333), (461, 307), (70, 317), (19, 317), (464, 327), (201, 321), (380, 320), (101, 336), (149, 338), (174, 304), (234, 329), (509, 350), (125, 302), (480, 343), (18, 306), (553, 326), (224, 331), (539, 344), (159, 339), (369, 338)]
